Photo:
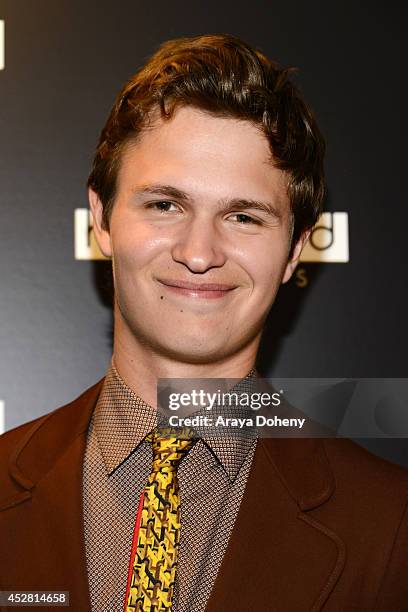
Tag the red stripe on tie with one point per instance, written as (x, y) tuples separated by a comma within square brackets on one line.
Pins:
[(134, 546)]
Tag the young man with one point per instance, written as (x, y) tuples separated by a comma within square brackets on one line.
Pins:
[(206, 181)]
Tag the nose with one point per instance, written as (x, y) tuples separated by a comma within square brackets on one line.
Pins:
[(199, 246)]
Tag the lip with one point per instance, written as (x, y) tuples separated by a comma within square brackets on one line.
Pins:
[(197, 290)]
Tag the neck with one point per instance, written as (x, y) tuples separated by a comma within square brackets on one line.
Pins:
[(140, 366)]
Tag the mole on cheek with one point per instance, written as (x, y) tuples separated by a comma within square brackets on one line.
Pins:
[(161, 297)]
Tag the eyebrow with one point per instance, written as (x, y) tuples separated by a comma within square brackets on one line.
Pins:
[(228, 204), (166, 190), (244, 204)]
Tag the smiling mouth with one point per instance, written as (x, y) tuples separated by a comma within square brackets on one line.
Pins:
[(197, 290)]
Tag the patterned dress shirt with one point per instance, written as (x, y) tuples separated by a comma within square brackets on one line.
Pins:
[(117, 464)]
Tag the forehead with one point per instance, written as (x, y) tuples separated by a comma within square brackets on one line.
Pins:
[(203, 152)]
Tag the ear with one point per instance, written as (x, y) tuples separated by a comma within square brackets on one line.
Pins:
[(292, 263), (102, 235)]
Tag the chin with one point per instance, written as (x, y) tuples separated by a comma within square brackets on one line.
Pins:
[(193, 350)]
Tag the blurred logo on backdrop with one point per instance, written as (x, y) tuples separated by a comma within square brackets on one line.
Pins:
[(84, 237), (328, 242)]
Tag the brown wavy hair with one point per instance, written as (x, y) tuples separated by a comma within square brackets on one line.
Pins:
[(226, 77)]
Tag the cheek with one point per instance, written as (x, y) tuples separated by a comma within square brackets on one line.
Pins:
[(133, 250), (264, 261)]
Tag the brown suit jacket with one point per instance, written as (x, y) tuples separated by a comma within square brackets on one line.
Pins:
[(323, 524)]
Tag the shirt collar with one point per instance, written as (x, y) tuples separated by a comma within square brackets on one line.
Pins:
[(122, 420)]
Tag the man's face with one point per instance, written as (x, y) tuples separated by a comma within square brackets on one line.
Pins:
[(198, 203)]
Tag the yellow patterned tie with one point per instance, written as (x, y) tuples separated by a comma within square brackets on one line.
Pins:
[(153, 571)]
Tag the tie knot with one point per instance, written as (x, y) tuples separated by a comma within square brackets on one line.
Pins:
[(169, 447)]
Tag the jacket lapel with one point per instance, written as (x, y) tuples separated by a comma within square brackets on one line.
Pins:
[(43, 514), (279, 556)]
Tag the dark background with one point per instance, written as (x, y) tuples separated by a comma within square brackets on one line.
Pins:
[(65, 61)]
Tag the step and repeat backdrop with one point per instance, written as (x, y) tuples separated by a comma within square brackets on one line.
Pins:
[(343, 315)]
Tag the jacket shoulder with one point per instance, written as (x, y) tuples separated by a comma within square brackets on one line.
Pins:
[(370, 481), (348, 457), (369, 511), (56, 426)]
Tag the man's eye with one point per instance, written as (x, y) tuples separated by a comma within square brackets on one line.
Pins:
[(161, 206), (245, 219)]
